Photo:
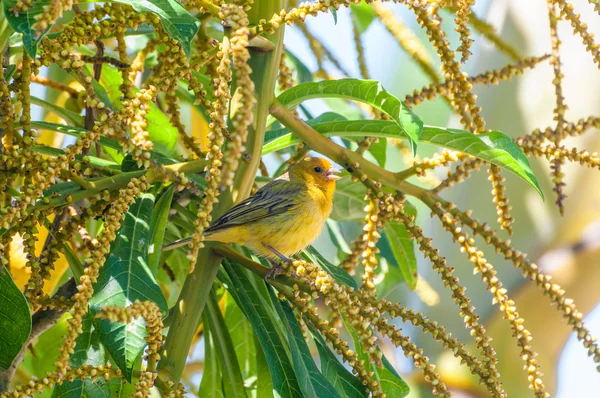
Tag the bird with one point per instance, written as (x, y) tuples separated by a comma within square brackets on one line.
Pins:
[(281, 218)]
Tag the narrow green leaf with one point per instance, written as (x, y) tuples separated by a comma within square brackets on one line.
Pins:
[(339, 274), (98, 88), (368, 91), (158, 226), (70, 117), (73, 131), (212, 378), (15, 319), (177, 21), (285, 382), (493, 147), (233, 383), (312, 381), (334, 14), (363, 15), (264, 383), (23, 23), (403, 251), (10, 71), (124, 279), (390, 381), (242, 337), (344, 382)]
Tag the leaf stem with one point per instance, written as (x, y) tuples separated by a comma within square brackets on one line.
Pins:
[(350, 160)]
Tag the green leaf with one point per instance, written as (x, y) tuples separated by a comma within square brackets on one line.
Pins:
[(334, 14), (379, 151), (363, 15), (368, 91), (114, 388), (98, 88), (70, 117), (349, 200), (23, 23), (124, 279), (493, 147), (247, 298), (264, 383), (390, 381), (158, 226), (343, 381), (233, 383), (338, 273), (242, 337), (403, 251), (73, 131), (304, 75), (312, 381), (15, 319), (160, 130), (84, 354), (212, 378), (177, 21), (10, 71)]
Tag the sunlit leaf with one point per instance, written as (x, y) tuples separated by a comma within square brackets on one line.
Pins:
[(160, 130), (158, 225), (363, 15), (403, 251), (368, 91), (15, 319), (177, 21)]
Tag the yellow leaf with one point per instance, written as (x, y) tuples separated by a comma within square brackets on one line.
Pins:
[(21, 273), (199, 128)]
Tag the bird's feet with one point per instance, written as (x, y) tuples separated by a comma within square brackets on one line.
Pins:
[(277, 268)]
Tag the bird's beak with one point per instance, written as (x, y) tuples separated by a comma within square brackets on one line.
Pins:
[(331, 174)]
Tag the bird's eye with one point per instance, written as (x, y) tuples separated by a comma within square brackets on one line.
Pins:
[(318, 169)]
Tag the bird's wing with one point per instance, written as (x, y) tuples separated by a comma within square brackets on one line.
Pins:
[(277, 197)]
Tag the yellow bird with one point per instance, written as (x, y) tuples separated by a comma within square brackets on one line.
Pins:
[(283, 217)]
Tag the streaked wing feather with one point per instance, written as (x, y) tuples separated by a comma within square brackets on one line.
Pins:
[(277, 197)]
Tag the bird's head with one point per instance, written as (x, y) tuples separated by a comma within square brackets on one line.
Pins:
[(316, 171)]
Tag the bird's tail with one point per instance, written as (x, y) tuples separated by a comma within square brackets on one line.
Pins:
[(183, 242)]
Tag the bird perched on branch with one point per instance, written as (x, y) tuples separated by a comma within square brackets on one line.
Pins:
[(283, 217)]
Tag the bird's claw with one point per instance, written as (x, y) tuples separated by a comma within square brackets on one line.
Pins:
[(275, 270)]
